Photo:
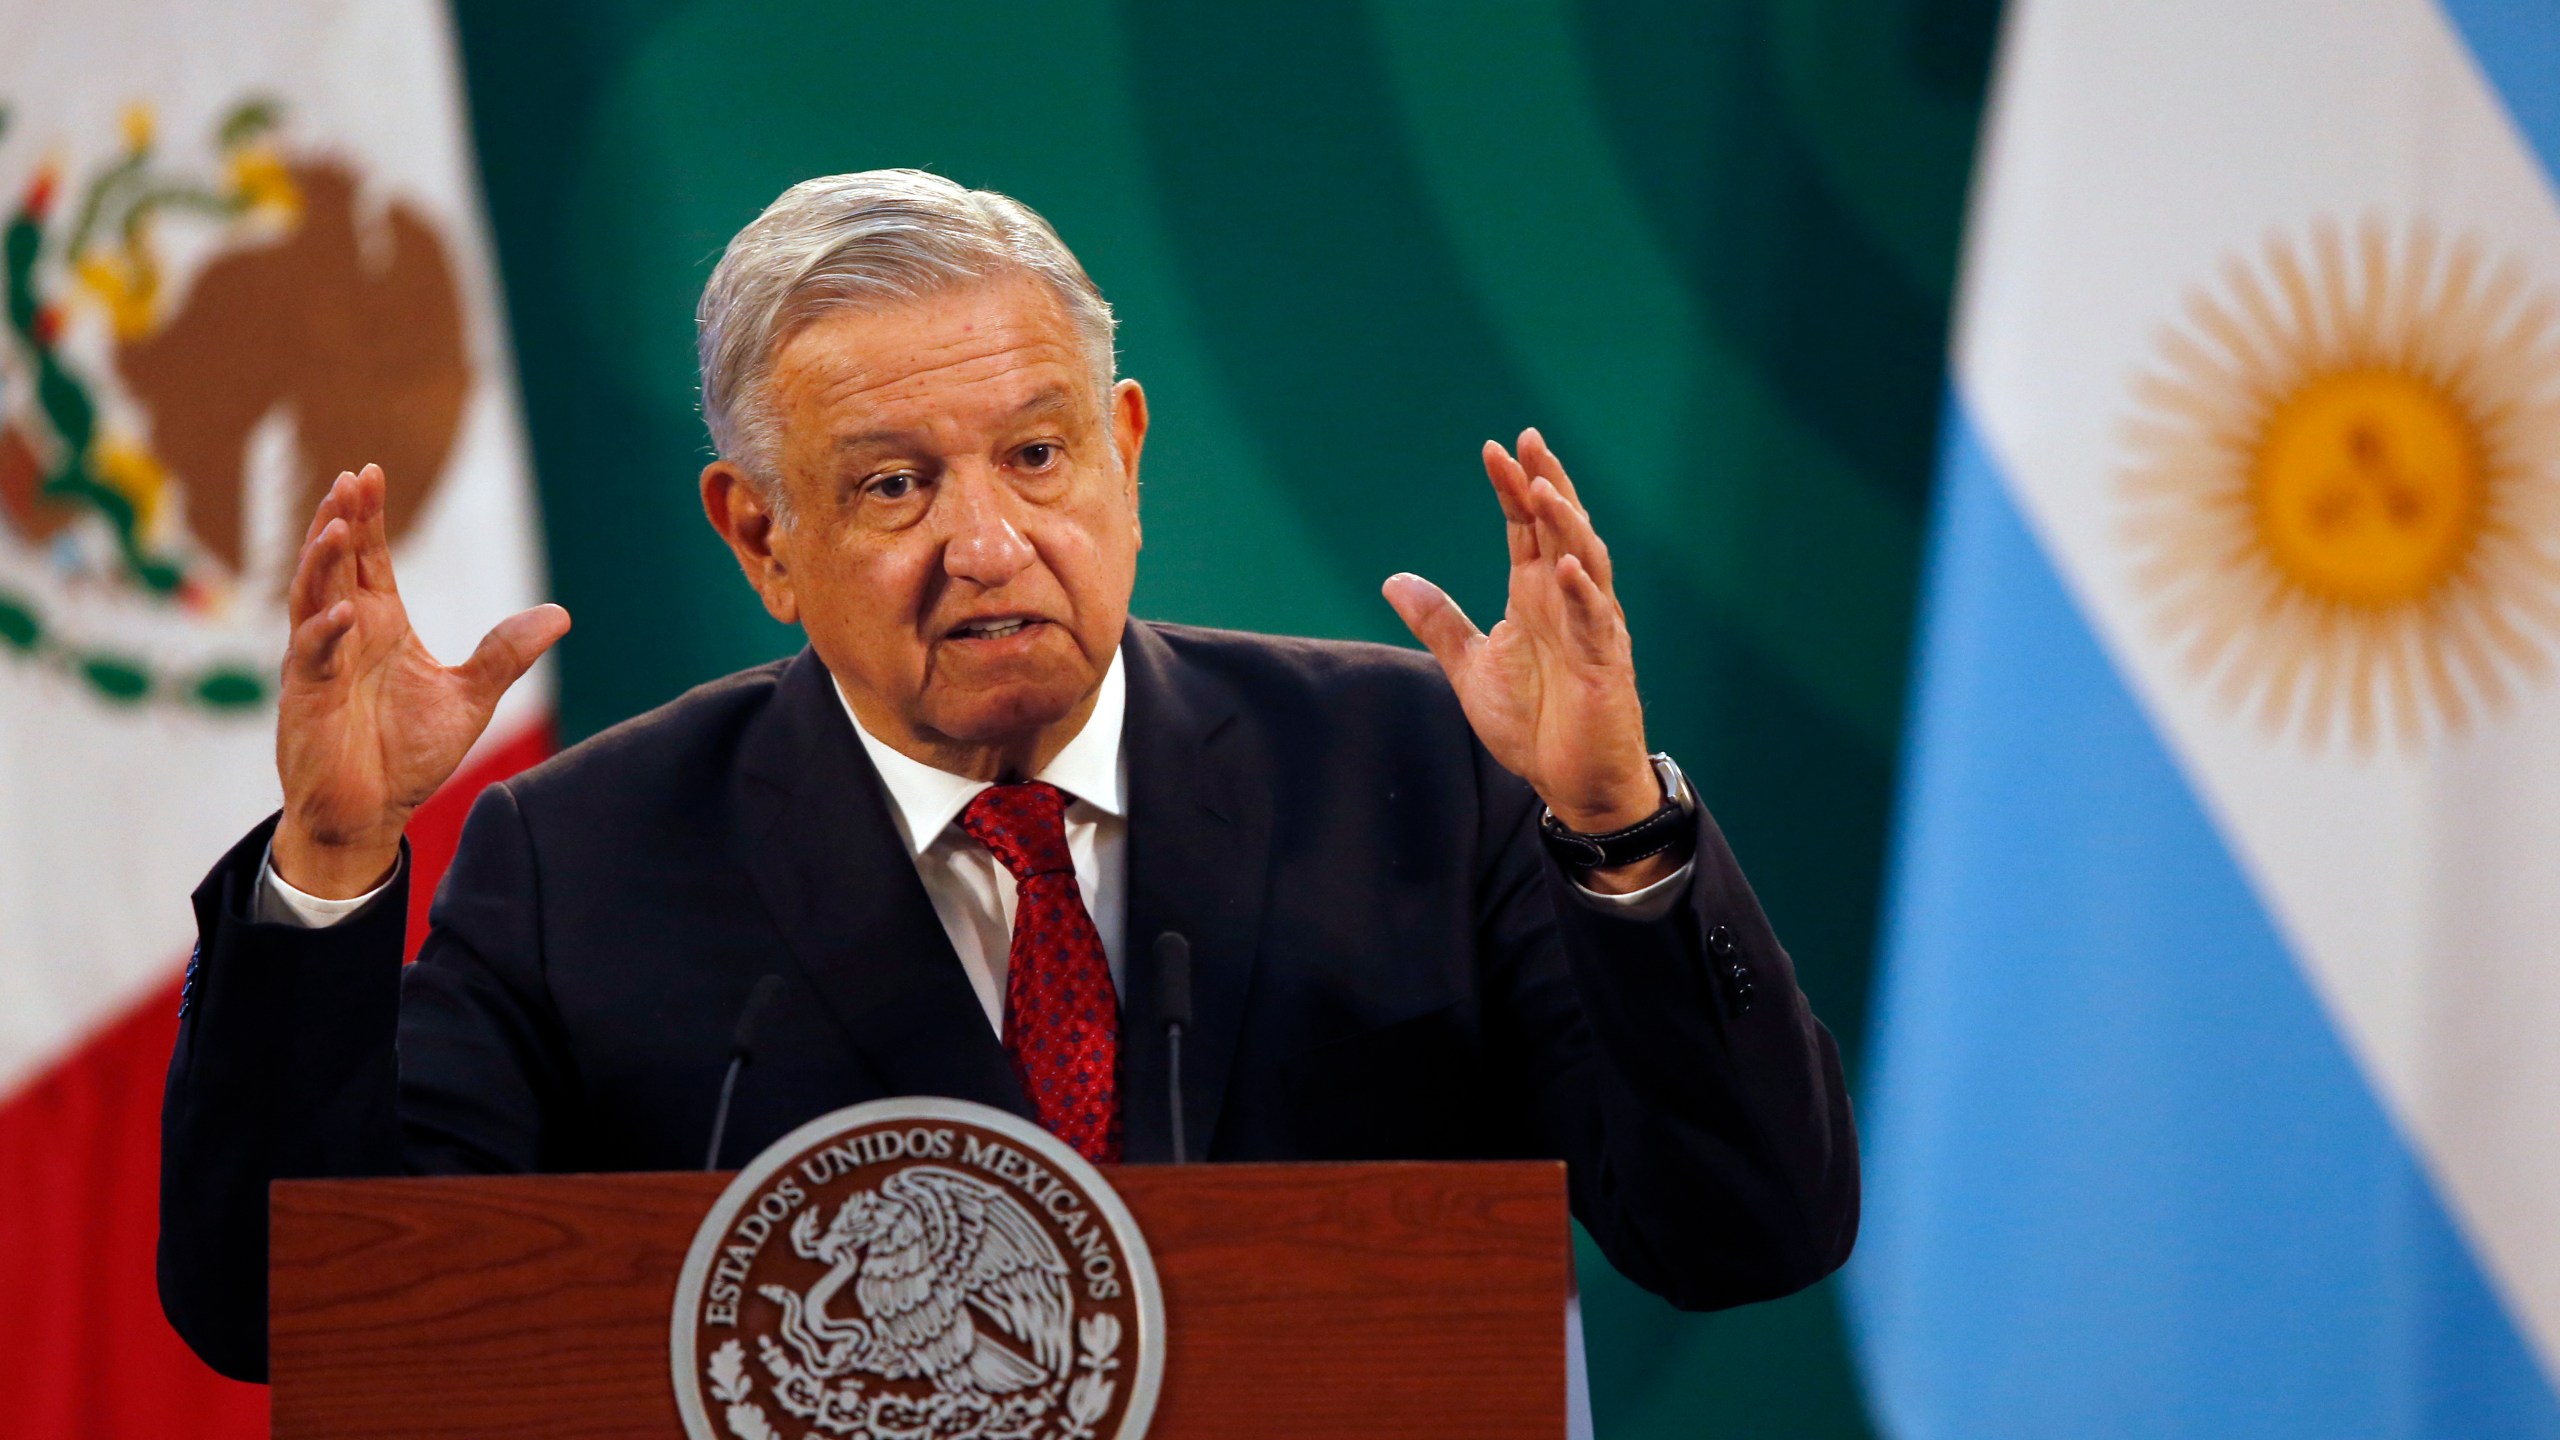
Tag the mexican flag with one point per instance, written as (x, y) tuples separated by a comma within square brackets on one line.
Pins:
[(243, 251)]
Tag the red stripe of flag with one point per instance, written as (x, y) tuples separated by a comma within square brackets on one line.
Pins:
[(84, 1350)]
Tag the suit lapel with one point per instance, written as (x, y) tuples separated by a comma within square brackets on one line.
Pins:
[(822, 852), (1199, 846)]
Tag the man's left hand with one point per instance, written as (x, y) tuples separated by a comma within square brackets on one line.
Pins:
[(1552, 691)]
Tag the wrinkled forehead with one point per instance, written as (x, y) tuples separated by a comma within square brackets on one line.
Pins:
[(966, 360)]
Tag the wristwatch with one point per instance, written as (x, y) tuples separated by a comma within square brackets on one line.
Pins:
[(1676, 823)]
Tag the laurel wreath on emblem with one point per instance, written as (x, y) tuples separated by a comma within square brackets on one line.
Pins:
[(891, 1417), (107, 242), (127, 410)]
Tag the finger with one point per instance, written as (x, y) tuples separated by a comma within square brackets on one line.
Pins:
[(372, 531), (1510, 482), (1563, 529), (1593, 624), (321, 575), (332, 503), (1436, 621), (318, 644), (1511, 489), (1540, 459), (509, 650)]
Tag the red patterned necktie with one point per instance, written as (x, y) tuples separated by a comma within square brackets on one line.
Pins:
[(1061, 1014)]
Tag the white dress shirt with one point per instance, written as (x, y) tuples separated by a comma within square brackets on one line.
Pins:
[(281, 904), (972, 894)]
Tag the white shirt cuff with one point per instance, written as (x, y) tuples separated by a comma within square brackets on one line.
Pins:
[(1650, 903), (281, 904)]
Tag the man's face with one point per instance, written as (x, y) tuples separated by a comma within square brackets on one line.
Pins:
[(964, 516)]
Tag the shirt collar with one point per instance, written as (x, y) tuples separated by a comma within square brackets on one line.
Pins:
[(924, 801)]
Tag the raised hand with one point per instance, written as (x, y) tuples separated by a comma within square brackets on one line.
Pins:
[(1552, 690), (368, 724)]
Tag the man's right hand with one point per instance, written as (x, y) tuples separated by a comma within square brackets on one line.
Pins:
[(368, 724)]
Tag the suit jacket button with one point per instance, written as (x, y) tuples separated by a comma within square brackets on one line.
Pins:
[(1742, 997), (1720, 943)]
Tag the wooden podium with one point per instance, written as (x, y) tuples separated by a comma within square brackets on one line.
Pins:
[(1413, 1300)]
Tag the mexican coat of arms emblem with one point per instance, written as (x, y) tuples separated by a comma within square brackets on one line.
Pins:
[(918, 1269)]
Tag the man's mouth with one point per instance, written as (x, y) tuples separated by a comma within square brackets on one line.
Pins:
[(994, 627)]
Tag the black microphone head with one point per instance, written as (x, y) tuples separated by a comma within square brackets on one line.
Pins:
[(762, 1002), (1173, 979)]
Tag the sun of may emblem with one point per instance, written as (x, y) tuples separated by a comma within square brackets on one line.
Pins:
[(2342, 504)]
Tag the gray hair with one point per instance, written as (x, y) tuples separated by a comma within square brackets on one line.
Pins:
[(867, 241)]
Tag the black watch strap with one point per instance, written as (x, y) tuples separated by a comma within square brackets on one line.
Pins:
[(1675, 824)]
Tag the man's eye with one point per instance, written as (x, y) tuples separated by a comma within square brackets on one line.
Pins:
[(893, 487), (1039, 456)]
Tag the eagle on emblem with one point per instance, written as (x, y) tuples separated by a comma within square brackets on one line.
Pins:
[(955, 1282)]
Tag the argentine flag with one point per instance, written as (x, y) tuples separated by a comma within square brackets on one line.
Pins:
[(2217, 1089)]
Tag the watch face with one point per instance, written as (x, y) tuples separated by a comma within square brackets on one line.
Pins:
[(1675, 784)]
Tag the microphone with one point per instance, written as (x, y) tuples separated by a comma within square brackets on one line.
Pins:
[(1173, 1012), (761, 1003)]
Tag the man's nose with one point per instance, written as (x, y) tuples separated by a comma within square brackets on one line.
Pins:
[(985, 546)]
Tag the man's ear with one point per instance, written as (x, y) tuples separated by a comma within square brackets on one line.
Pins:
[(1129, 432), (735, 506)]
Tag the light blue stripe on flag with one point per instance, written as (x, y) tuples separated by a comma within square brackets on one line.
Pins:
[(2124, 1178), (2517, 44)]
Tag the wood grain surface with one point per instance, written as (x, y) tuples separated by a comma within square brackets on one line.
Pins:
[(1300, 1301)]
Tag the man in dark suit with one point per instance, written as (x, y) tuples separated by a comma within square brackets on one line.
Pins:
[(1438, 907)]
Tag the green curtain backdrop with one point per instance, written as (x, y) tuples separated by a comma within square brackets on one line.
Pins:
[(1706, 244)]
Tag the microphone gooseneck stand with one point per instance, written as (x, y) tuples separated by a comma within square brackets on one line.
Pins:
[(1173, 1011), (761, 1003)]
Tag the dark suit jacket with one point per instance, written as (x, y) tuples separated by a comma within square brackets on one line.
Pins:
[(1386, 965)]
